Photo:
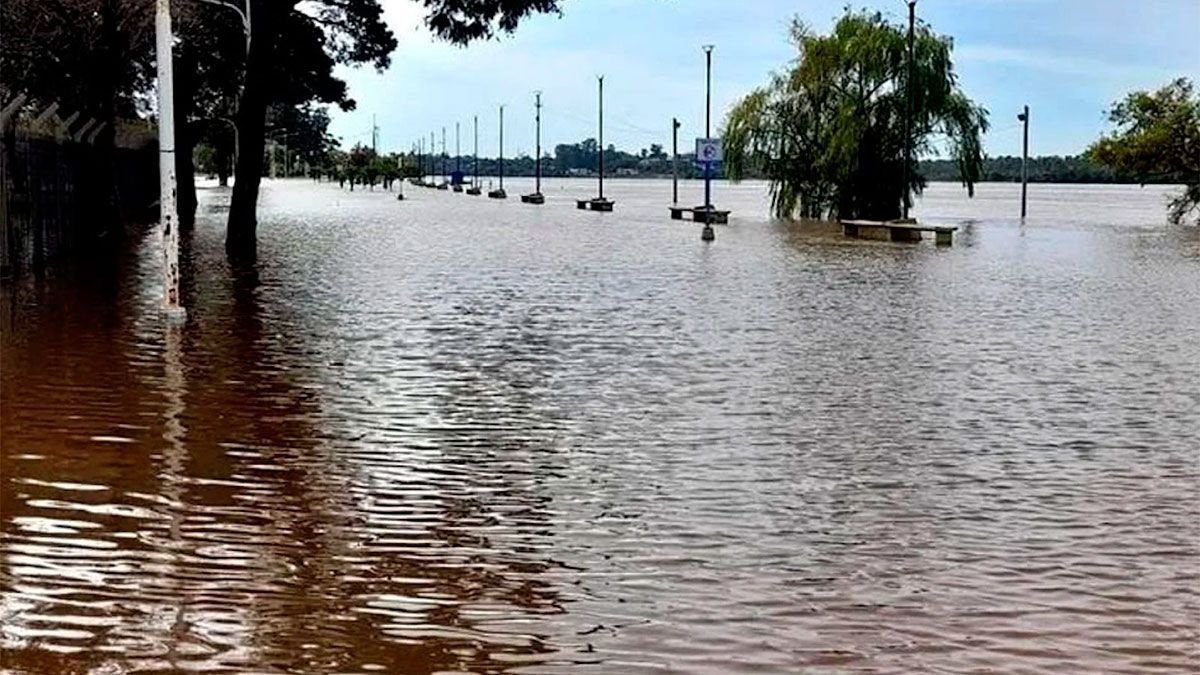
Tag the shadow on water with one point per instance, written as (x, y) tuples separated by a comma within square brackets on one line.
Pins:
[(178, 500)]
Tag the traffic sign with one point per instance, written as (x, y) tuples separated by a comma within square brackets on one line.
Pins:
[(708, 150)]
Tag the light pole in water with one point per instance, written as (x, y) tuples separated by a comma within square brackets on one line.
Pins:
[(166, 160), (675, 161), (600, 148), (1024, 117), (708, 49), (707, 234), (912, 13)]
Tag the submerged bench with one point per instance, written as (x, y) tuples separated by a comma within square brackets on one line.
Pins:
[(897, 231), (699, 214), (597, 204)]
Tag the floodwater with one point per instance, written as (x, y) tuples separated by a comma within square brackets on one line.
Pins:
[(453, 434)]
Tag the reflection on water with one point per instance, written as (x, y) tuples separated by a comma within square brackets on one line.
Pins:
[(453, 434)]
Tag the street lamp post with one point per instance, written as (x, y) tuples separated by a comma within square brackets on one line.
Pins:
[(1024, 118), (675, 161), (708, 50), (707, 234), (912, 13)]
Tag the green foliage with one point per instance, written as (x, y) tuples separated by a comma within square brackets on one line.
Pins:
[(1007, 169), (830, 135), (1158, 139)]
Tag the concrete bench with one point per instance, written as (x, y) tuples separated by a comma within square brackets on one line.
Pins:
[(597, 204), (897, 231), (700, 214)]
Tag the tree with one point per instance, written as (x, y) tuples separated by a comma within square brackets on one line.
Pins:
[(829, 133), (1158, 139)]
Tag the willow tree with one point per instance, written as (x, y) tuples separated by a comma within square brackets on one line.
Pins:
[(829, 133)]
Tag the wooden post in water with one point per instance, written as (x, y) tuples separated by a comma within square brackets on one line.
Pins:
[(1024, 117)]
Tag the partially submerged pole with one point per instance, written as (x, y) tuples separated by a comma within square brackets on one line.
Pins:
[(475, 189), (536, 196), (163, 40), (600, 148), (458, 178), (599, 203), (538, 163), (1024, 117), (500, 193), (708, 49), (707, 234), (912, 13), (501, 148), (674, 160)]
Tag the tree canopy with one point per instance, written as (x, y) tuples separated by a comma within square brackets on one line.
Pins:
[(829, 133), (1157, 138)]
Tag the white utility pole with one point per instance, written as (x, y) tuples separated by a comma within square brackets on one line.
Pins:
[(166, 160)]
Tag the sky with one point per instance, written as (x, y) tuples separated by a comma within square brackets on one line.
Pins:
[(1067, 59)]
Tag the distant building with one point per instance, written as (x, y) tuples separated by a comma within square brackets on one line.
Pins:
[(626, 171), (579, 172)]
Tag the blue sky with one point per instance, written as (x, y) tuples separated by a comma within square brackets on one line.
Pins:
[(1067, 59)]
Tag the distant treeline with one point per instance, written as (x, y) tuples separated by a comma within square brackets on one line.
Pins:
[(575, 159), (1052, 169)]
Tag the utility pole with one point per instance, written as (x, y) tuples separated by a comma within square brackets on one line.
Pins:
[(600, 148), (538, 163), (374, 136), (444, 155), (168, 217), (457, 152), (912, 13), (475, 182), (708, 50), (501, 148), (1024, 117), (674, 160)]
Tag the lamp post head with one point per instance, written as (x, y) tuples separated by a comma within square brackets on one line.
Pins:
[(707, 48)]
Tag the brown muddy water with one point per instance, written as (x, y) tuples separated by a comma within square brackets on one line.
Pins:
[(455, 434)]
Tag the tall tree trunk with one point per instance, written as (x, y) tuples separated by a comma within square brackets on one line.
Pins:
[(185, 170), (108, 204), (251, 123), (221, 148)]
